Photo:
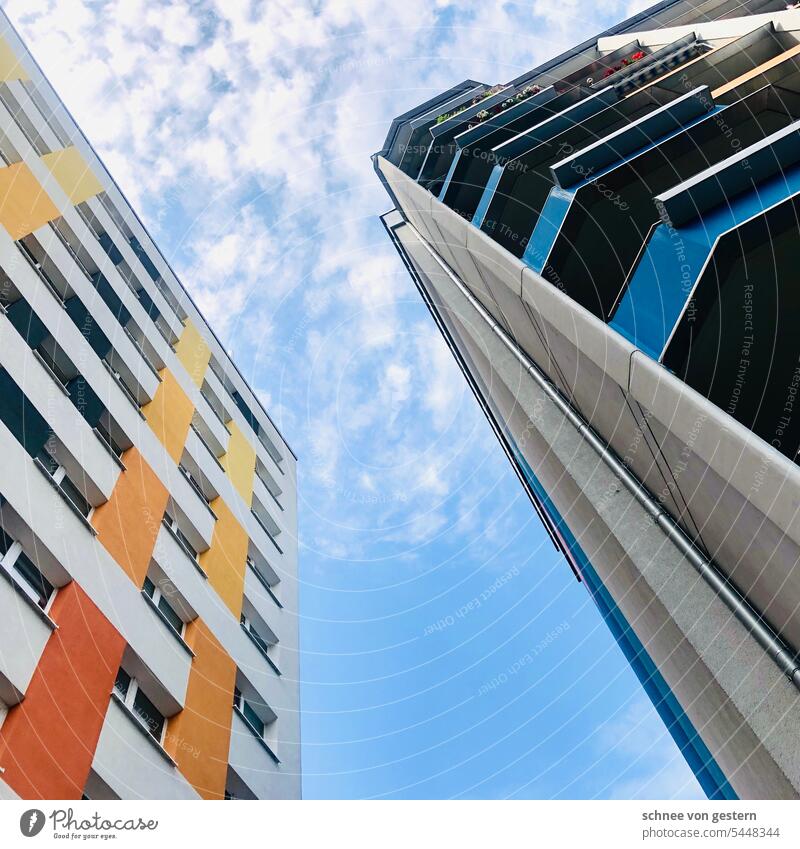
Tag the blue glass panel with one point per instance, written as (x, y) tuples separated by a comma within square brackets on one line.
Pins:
[(675, 257), (547, 228), (449, 176), (486, 197)]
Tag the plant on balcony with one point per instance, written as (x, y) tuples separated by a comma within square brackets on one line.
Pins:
[(521, 95), (634, 57), (475, 100)]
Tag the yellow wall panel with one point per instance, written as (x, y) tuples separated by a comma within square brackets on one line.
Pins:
[(193, 352), (10, 68), (198, 738), (240, 463), (24, 204), (225, 562), (73, 174), (169, 414)]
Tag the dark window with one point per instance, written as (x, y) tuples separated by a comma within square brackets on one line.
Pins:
[(63, 482), (147, 712), (73, 493), (122, 683), (42, 588), (249, 714), (261, 642), (163, 605)]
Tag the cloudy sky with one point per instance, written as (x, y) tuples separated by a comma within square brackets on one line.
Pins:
[(241, 131)]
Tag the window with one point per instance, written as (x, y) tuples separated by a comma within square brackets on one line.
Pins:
[(253, 719), (105, 435), (182, 538), (263, 579), (257, 638), (52, 365), (194, 483), (85, 212), (165, 608), (61, 230), (133, 697), (59, 475), (24, 572), (120, 380)]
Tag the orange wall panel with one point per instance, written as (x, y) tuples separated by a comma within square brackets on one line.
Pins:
[(47, 742), (128, 523), (198, 738), (169, 414), (225, 562)]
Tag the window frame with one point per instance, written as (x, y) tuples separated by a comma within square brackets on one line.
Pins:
[(9, 561), (59, 474), (157, 596), (172, 524), (128, 698)]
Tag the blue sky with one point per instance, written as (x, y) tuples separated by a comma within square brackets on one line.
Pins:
[(448, 651)]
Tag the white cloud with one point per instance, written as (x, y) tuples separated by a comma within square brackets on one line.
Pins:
[(655, 767), (242, 131)]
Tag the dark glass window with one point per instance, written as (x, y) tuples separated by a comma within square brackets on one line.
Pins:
[(64, 484), (42, 588), (260, 641), (75, 496), (170, 615), (122, 683), (147, 712), (163, 605), (249, 714)]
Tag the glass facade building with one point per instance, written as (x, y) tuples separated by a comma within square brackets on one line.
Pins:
[(606, 243)]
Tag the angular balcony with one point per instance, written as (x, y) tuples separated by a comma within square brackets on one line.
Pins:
[(472, 163), (442, 147), (25, 627), (518, 187), (735, 342), (132, 764), (697, 213), (253, 761), (592, 228), (411, 139)]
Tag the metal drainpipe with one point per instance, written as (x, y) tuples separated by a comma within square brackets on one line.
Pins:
[(766, 637)]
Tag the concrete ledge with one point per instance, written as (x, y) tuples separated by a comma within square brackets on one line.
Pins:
[(593, 338), (731, 449)]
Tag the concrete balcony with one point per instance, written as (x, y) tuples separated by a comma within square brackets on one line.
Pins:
[(270, 506), (181, 568), (134, 264), (36, 504), (252, 762), (266, 601), (24, 632), (132, 764), (699, 212), (79, 449), (128, 359)]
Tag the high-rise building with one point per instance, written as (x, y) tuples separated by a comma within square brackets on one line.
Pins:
[(608, 243), (148, 580)]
